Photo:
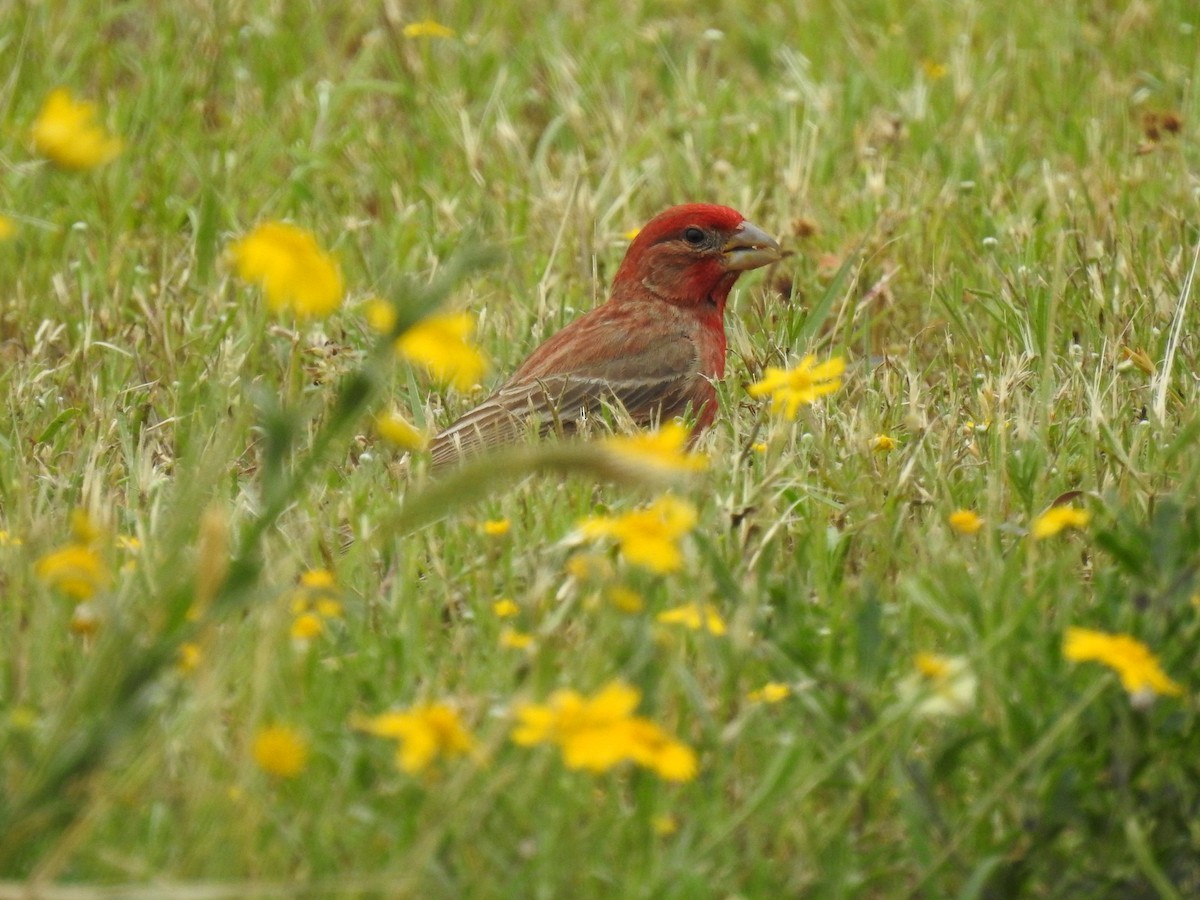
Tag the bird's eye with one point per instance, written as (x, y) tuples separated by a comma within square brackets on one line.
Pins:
[(694, 236)]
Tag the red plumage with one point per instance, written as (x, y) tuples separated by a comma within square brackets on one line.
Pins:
[(654, 347)]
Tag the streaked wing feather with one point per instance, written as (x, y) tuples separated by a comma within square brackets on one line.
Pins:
[(643, 356), (557, 403)]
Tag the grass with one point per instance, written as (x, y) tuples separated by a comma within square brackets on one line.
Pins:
[(988, 209)]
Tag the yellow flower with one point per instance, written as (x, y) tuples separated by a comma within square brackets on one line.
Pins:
[(440, 344), (771, 692), (595, 735), (66, 132), (631, 233), (647, 537), (1058, 518), (934, 71), (317, 592), (625, 600), (759, 447), (569, 712), (653, 748), (380, 314), (397, 430), (792, 388), (422, 733), (315, 600), (1131, 659), (600, 733), (293, 271), (515, 640), (7, 228), (665, 449), (306, 626), (695, 616), (932, 666), (280, 751), (965, 521), (505, 609), (190, 656), (883, 443), (496, 527), (427, 28), (76, 569), (665, 824), (319, 580), (941, 685), (7, 539)]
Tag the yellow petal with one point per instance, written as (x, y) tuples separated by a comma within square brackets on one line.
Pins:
[(293, 271), (66, 132)]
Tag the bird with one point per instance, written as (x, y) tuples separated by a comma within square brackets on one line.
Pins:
[(654, 347)]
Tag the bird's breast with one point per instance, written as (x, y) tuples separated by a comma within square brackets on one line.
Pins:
[(709, 338)]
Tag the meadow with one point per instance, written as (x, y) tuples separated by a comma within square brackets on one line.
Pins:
[(933, 635)]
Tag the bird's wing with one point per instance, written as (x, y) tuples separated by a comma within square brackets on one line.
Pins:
[(649, 377)]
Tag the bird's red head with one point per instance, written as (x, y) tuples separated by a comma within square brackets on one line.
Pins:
[(691, 255)]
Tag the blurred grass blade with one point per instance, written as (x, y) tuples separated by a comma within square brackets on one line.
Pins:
[(485, 476)]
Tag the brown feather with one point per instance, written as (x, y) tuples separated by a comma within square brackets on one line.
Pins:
[(653, 348)]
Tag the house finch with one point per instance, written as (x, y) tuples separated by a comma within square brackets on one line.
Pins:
[(654, 347)]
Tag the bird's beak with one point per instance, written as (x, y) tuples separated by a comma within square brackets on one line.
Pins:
[(748, 248)]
